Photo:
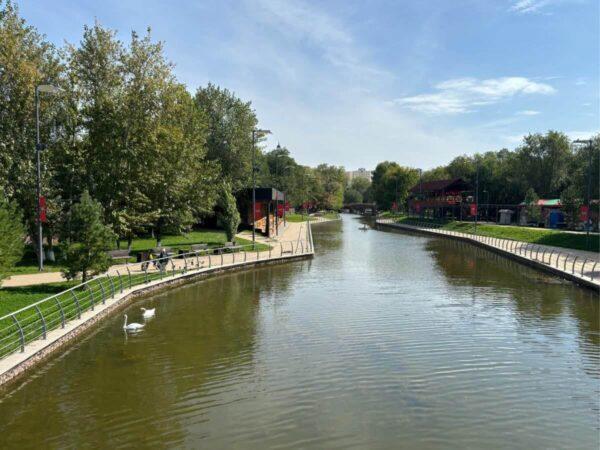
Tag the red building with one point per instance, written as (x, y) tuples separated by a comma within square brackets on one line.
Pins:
[(269, 214), (442, 199)]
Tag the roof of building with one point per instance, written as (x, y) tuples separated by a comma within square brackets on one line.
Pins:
[(266, 194), (441, 185), (545, 202)]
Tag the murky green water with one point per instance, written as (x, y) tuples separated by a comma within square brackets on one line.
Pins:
[(384, 340)]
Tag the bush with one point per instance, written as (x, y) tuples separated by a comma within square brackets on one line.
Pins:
[(228, 216), (85, 249)]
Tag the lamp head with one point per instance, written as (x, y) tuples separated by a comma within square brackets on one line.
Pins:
[(48, 89)]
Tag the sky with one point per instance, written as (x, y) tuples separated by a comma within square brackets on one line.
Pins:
[(354, 83)]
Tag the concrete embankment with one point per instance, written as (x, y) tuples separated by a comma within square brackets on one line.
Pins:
[(582, 268)]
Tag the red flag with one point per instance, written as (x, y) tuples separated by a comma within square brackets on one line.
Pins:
[(584, 213), (473, 209), (42, 203)]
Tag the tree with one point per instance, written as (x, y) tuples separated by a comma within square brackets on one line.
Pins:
[(352, 195), (84, 247), (26, 60), (229, 140), (532, 208), (228, 216), (571, 204), (391, 183), (330, 181), (12, 235)]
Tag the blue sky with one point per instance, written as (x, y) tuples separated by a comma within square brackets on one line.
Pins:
[(353, 83)]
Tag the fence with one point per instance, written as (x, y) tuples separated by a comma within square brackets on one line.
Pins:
[(35, 321), (564, 261)]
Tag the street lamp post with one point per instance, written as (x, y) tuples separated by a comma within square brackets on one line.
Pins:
[(255, 132), (48, 89)]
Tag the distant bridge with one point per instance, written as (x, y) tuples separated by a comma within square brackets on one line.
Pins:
[(362, 208)]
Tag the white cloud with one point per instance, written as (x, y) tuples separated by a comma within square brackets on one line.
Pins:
[(535, 6), (527, 112), (462, 94)]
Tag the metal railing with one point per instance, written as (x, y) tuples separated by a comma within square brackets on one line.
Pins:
[(567, 262), (33, 322)]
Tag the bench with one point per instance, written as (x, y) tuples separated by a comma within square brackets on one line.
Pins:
[(198, 247), (228, 246), (119, 254)]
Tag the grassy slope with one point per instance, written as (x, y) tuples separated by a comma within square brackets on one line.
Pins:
[(14, 298), (542, 236)]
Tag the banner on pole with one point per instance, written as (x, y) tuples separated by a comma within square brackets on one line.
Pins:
[(473, 209), (42, 203)]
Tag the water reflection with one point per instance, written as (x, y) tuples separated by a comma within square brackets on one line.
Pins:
[(384, 340)]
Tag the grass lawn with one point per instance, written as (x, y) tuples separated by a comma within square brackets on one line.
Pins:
[(14, 298), (214, 238), (297, 218), (542, 236)]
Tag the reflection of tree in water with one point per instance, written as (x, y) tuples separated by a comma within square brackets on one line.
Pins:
[(329, 236), (201, 343), (535, 295)]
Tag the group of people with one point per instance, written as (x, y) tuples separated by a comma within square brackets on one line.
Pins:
[(160, 261)]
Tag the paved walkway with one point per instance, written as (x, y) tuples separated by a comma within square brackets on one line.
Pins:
[(578, 265), (291, 232)]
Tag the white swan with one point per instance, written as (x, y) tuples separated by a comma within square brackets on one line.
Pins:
[(132, 326), (148, 312)]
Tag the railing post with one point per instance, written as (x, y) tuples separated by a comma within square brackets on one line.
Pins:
[(245, 255), (112, 286), (583, 267), (257, 255), (62, 313), (593, 270), (129, 274), (173, 266), (146, 274), (565, 264), (21, 334), (209, 261), (102, 291), (222, 251), (185, 265), (197, 260), (573, 267), (270, 247), (120, 281), (43, 321), (87, 286), (77, 303)]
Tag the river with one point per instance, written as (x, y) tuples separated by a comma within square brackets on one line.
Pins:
[(383, 340)]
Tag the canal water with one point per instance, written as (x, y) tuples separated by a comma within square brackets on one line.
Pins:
[(383, 340)]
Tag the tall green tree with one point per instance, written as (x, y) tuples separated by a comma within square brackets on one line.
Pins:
[(12, 235), (228, 216), (26, 60), (229, 141), (85, 245)]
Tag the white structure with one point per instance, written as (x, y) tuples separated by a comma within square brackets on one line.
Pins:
[(360, 173)]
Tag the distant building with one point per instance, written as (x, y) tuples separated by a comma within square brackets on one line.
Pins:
[(360, 173)]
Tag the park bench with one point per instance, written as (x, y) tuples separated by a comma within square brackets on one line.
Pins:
[(227, 247), (119, 254), (198, 247)]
